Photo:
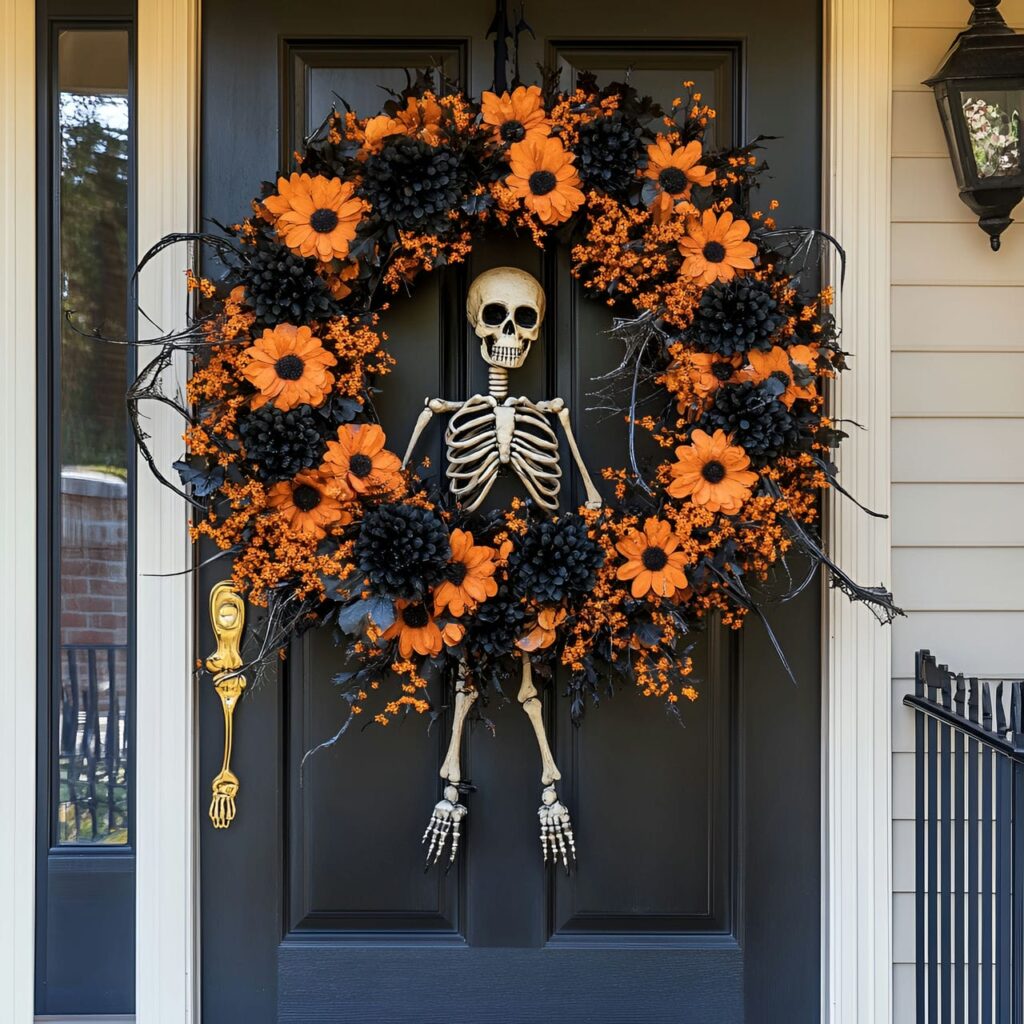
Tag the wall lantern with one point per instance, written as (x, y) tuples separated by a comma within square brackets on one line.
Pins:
[(979, 87)]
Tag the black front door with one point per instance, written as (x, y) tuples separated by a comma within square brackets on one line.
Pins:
[(697, 892)]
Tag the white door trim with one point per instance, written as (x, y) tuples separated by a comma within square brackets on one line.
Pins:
[(856, 948), (166, 822), (18, 528), (857, 895)]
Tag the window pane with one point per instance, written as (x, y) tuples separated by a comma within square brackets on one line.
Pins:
[(94, 527), (993, 125)]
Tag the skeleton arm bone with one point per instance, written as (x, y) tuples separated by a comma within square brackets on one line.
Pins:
[(433, 406), (557, 406)]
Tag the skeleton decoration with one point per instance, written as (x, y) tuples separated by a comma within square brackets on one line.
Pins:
[(485, 435)]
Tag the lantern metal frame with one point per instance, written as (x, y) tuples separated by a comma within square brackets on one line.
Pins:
[(988, 56)]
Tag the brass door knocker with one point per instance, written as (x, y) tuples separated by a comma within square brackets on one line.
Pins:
[(227, 617)]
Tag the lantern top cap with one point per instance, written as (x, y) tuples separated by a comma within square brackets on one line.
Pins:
[(987, 49)]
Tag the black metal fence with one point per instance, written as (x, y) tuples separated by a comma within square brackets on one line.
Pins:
[(93, 744), (969, 847)]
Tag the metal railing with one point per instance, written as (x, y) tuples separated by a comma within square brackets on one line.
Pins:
[(969, 796), (93, 744)]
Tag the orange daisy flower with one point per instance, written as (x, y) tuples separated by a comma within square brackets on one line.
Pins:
[(360, 462), (377, 130), (544, 177), (708, 372), (712, 473), (517, 115), (288, 366), (715, 248), (418, 632), (652, 561), (421, 119), (675, 171), (316, 216), (544, 631), (776, 364), (308, 504), (470, 576)]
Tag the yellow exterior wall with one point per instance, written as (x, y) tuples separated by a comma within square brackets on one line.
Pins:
[(957, 426)]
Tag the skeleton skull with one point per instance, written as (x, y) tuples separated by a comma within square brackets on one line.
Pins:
[(505, 306)]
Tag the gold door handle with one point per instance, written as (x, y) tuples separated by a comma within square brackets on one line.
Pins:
[(227, 617)]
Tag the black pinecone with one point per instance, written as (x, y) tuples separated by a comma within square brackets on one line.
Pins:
[(281, 287), (413, 185), (495, 626), (556, 560), (403, 550), (282, 444), (608, 152), (736, 316), (755, 418)]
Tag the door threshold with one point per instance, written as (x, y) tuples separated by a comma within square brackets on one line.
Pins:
[(86, 1018)]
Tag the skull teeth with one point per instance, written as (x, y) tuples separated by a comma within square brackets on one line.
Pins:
[(506, 355)]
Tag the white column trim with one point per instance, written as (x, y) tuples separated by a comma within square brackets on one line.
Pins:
[(18, 681), (857, 949), (166, 917)]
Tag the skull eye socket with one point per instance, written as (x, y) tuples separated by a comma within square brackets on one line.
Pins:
[(493, 314), (525, 316)]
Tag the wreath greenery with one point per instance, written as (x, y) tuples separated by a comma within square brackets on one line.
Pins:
[(715, 307)]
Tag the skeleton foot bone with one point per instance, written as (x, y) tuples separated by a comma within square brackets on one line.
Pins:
[(555, 824), (556, 829), (445, 823)]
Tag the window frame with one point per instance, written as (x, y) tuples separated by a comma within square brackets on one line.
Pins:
[(101, 873)]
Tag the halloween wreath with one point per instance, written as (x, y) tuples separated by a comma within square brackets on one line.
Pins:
[(293, 475)]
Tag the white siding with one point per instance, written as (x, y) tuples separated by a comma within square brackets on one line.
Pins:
[(958, 426)]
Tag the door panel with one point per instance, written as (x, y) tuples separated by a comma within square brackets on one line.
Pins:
[(696, 893)]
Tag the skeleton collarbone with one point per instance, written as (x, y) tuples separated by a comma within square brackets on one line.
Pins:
[(483, 436)]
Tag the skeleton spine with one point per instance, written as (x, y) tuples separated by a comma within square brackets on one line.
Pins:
[(497, 382)]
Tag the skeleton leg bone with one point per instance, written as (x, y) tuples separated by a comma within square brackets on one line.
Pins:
[(446, 820), (555, 825)]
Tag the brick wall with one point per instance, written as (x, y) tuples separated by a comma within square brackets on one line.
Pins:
[(94, 570)]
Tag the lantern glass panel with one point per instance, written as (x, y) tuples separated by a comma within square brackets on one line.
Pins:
[(992, 118)]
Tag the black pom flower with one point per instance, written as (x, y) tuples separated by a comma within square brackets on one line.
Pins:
[(403, 550), (495, 626), (608, 152), (282, 444), (755, 418), (556, 560), (283, 288), (735, 316), (413, 185)]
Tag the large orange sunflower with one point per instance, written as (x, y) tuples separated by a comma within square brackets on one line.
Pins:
[(652, 561), (715, 248), (470, 576), (517, 115), (675, 171), (544, 177), (288, 366), (712, 473), (316, 216), (417, 631), (308, 504), (360, 462), (775, 364)]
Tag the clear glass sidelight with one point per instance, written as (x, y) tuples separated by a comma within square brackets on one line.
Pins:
[(93, 500), (993, 126)]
